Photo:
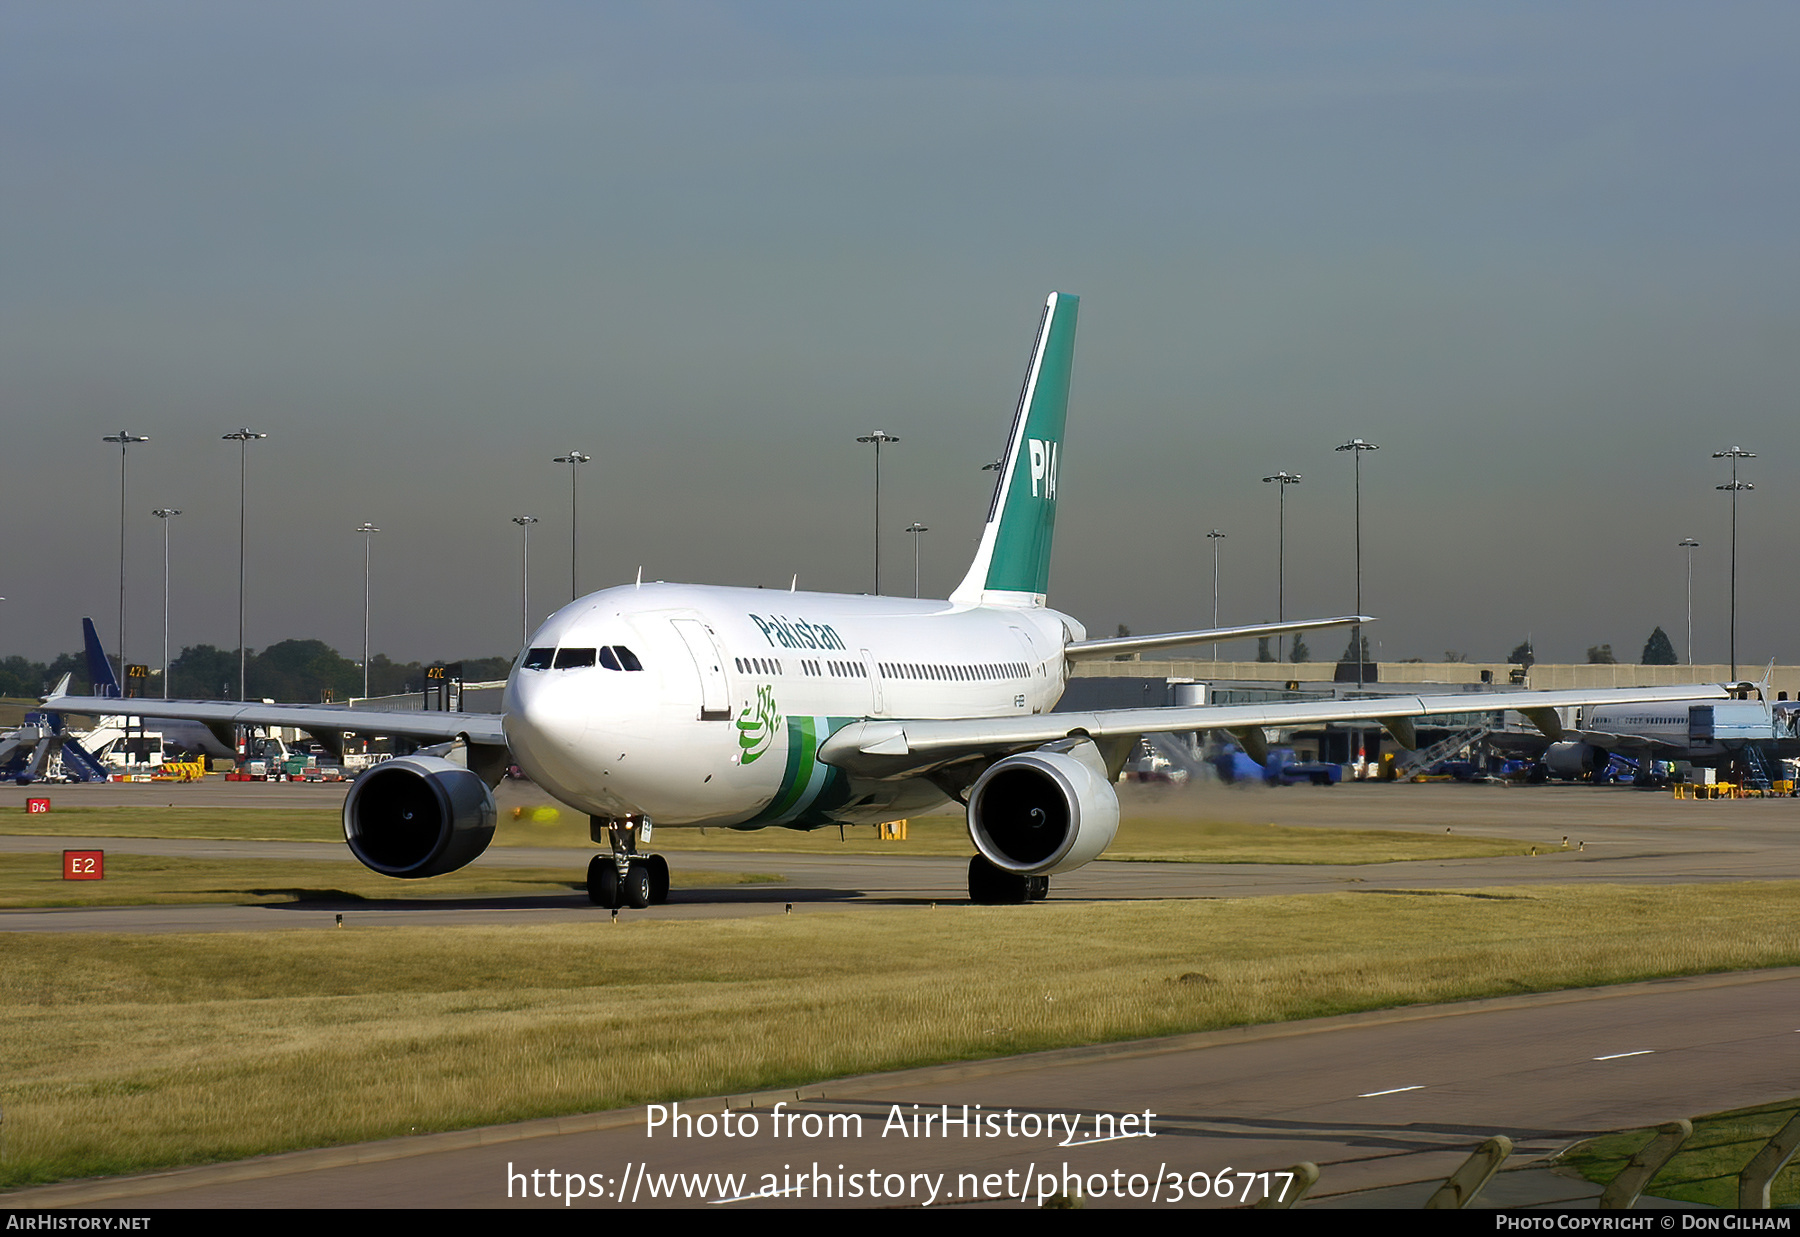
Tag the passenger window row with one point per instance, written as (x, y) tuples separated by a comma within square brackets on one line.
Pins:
[(939, 672)]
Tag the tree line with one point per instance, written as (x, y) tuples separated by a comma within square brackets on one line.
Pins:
[(291, 672)]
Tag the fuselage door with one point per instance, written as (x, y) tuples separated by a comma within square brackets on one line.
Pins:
[(1700, 725), (872, 668), (715, 699)]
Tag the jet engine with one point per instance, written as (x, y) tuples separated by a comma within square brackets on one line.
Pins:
[(1045, 811), (1573, 760), (418, 816)]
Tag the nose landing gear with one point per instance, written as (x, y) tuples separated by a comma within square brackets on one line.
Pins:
[(625, 877)]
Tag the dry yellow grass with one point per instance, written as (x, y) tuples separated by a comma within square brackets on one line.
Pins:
[(130, 1052)]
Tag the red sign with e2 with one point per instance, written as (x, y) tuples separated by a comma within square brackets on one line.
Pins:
[(84, 865)]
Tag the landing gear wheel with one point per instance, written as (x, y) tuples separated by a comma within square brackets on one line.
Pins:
[(639, 884), (603, 882), (1037, 888), (991, 886), (659, 879)]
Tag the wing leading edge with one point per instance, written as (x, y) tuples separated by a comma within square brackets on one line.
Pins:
[(886, 749), (479, 728)]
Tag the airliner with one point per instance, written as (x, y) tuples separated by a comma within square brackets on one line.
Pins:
[(1740, 732), (656, 705)]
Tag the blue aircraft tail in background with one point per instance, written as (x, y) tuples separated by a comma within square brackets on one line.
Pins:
[(100, 670)]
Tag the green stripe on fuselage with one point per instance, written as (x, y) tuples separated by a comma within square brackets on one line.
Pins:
[(808, 788)]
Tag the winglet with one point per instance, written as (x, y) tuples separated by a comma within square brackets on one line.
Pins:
[(1012, 565), (100, 670)]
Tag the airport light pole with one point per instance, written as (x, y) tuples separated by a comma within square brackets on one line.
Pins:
[(164, 514), (1734, 455), (243, 438), (915, 528), (1690, 545), (1356, 447), (368, 531), (1215, 536), (525, 522), (125, 438), (1281, 480), (574, 460), (878, 437)]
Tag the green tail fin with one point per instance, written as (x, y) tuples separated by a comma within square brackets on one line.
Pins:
[(1012, 567)]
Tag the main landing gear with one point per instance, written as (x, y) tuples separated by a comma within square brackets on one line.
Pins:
[(625, 877), (992, 886)]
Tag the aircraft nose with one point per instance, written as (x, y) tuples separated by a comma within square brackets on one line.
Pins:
[(546, 727)]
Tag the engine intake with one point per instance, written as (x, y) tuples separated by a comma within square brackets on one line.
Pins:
[(1046, 811), (418, 816)]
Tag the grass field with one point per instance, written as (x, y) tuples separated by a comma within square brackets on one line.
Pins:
[(1706, 1168), (1170, 830), (128, 1052)]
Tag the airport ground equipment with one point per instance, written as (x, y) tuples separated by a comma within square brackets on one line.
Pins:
[(43, 749), (1430, 758)]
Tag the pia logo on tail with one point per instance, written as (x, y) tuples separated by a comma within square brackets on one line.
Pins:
[(1044, 458)]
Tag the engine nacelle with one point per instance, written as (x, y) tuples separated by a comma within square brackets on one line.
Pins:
[(1046, 811), (418, 816), (1573, 759)]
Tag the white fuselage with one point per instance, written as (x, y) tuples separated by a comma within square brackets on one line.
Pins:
[(1706, 730), (736, 688)]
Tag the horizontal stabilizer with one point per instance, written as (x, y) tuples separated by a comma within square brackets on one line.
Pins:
[(1089, 649)]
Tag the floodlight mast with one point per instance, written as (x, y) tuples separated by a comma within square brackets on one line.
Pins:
[(1734, 455), (368, 531), (915, 528), (243, 438), (125, 439), (1215, 536), (1356, 446), (165, 514), (574, 459), (1281, 480), (1690, 545), (878, 437), (525, 522)]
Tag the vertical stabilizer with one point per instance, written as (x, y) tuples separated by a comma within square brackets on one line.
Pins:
[(100, 670), (1012, 566)]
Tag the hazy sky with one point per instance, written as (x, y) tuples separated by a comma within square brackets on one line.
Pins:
[(1545, 255)]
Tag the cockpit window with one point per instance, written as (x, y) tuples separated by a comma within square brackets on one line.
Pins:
[(627, 658), (538, 659), (608, 660), (569, 659)]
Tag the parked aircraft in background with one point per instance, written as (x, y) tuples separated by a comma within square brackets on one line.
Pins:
[(656, 705), (1749, 734), (182, 734)]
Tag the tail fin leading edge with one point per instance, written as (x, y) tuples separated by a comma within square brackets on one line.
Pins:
[(100, 670), (1012, 566)]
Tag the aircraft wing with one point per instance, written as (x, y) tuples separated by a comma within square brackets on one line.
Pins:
[(904, 748), (478, 728)]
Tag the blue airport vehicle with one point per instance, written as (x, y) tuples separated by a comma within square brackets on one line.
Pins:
[(1281, 769)]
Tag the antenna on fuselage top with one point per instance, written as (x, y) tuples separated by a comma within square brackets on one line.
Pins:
[(640, 582), (794, 583)]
